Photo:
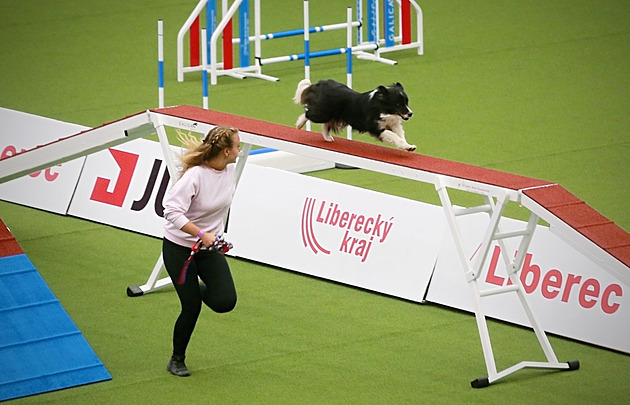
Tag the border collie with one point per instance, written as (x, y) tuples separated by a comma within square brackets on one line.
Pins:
[(379, 112)]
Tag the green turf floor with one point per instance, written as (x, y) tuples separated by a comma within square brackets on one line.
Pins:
[(537, 88)]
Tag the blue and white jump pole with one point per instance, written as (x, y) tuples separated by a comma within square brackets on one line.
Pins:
[(160, 25), (204, 71), (307, 50), (307, 44)]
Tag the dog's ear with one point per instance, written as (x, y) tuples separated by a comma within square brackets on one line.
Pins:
[(381, 92), (399, 85)]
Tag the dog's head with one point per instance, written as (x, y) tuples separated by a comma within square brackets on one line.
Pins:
[(394, 100)]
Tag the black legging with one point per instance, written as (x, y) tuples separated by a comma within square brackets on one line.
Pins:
[(218, 293)]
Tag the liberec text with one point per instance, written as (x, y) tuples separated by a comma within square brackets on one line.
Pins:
[(554, 284)]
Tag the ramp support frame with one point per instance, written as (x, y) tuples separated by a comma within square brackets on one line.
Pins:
[(495, 208)]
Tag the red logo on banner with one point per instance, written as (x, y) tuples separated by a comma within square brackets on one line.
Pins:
[(308, 236), (127, 163), (360, 231)]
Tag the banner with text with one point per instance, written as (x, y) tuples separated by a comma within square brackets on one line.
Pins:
[(124, 187), (335, 231)]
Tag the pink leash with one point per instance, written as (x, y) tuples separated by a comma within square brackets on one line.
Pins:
[(220, 245)]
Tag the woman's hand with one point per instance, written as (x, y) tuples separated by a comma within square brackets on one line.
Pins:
[(207, 239)]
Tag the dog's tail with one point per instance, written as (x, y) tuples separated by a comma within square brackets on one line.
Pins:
[(302, 85)]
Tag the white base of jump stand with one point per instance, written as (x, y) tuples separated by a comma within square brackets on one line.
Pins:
[(240, 73), (263, 77), (375, 58)]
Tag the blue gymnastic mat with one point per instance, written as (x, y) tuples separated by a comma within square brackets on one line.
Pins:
[(41, 348)]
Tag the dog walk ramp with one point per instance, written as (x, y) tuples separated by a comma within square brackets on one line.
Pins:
[(574, 221), (77, 145), (496, 188), (41, 349), (607, 244)]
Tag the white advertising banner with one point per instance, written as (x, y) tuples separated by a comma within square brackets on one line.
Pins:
[(335, 231), (50, 189), (124, 187), (571, 296), (325, 229)]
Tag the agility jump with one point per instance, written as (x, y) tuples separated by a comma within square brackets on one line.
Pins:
[(379, 43)]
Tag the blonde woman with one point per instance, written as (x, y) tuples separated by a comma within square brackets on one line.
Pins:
[(194, 211)]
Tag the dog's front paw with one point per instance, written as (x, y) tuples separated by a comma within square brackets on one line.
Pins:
[(329, 138), (411, 148)]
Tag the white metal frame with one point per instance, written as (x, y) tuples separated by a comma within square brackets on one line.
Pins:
[(494, 207), (496, 198)]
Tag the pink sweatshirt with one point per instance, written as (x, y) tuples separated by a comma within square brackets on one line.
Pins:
[(202, 196)]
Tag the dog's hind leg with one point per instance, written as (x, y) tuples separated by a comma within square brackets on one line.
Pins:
[(396, 140), (326, 132), (301, 121)]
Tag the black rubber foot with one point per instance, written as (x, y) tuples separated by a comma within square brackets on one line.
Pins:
[(134, 291), (482, 382), (574, 365)]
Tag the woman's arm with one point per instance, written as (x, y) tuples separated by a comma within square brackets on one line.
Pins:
[(207, 238)]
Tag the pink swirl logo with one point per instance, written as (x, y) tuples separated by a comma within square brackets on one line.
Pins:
[(308, 235)]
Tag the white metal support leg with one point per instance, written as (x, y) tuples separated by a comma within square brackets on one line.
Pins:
[(473, 271), (154, 282), (242, 160)]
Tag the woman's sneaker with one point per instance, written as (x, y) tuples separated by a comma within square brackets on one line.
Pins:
[(177, 366)]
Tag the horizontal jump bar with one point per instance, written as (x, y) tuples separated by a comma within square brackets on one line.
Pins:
[(318, 54), (292, 33)]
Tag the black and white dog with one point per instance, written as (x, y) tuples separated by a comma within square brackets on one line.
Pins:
[(379, 112)]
